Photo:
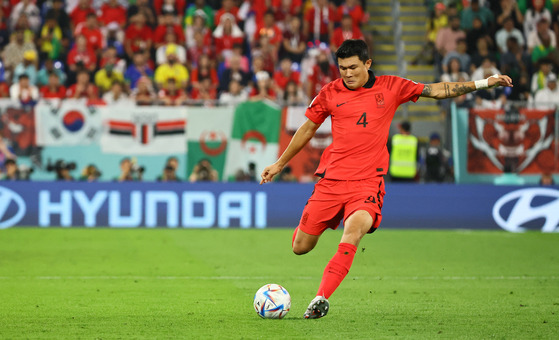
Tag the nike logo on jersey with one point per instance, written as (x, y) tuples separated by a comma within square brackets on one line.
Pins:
[(338, 105)]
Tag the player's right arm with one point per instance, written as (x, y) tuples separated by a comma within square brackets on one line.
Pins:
[(299, 140)]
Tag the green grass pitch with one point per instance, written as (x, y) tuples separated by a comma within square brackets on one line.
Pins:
[(177, 283)]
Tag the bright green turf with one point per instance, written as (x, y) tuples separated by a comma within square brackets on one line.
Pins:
[(141, 283)]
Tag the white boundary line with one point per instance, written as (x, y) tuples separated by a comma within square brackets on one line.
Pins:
[(193, 278)]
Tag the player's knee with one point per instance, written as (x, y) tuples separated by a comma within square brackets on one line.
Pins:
[(299, 249)]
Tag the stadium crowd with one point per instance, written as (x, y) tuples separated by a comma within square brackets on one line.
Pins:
[(469, 41), (209, 52)]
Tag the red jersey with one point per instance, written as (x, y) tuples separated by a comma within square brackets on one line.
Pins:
[(162, 30), (112, 14), (340, 35), (281, 80), (79, 15), (48, 93), (94, 37), (360, 124)]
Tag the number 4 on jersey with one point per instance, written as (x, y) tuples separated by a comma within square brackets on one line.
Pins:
[(363, 120)]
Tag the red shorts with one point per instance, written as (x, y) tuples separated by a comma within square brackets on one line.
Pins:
[(333, 200)]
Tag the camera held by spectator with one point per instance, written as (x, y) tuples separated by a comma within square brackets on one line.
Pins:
[(130, 170), (16, 173), (204, 172), (90, 173), (62, 169), (170, 171)]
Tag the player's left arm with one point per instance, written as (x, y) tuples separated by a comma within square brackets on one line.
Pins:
[(445, 90)]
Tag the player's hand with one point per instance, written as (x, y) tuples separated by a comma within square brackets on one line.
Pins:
[(499, 80), (269, 173)]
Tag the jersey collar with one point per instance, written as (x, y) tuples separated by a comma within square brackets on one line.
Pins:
[(369, 82)]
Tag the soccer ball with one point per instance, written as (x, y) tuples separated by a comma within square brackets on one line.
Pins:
[(272, 301)]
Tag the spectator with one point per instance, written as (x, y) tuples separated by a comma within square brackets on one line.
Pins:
[(294, 42), (270, 30), (50, 40), (460, 53), (227, 8), (81, 57), (138, 69), (548, 97), (286, 9), (545, 50), (116, 95), (346, 31), (234, 72), (162, 6), (533, 16), (200, 48), (319, 21), (476, 11), (293, 94), (403, 155), (508, 9), (287, 176), (515, 61), (234, 95), (13, 53), (238, 51), (90, 173), (53, 90), (205, 94), (263, 89), (541, 32), (438, 164), (24, 92), (138, 35), (58, 12), (28, 67), (144, 94), (227, 34), (170, 42), (199, 25), (107, 76), (170, 171), (83, 88), (485, 70), (110, 56), (62, 170), (437, 20), (125, 171), (112, 11), (114, 38), (4, 90), (203, 172), (171, 69), (201, 9), (28, 9), (539, 77), (506, 32), (284, 75), (202, 71), (323, 72), (547, 179), (11, 173), (168, 25), (521, 89), (354, 10), (90, 30), (267, 54), (455, 71), (478, 31), (142, 7), (80, 12), (171, 95), (481, 53), (448, 37)]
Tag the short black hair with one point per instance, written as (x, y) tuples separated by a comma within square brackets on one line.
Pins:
[(353, 47), (406, 126)]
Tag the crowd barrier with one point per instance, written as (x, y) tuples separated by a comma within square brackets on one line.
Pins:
[(249, 205)]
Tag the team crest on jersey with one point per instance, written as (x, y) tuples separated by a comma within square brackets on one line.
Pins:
[(380, 100)]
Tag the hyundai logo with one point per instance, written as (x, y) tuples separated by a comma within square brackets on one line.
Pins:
[(524, 210), (8, 196)]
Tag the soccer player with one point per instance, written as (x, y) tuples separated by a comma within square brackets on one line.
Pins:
[(352, 167)]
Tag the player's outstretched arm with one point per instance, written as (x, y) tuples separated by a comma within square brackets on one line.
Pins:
[(449, 90), (299, 140)]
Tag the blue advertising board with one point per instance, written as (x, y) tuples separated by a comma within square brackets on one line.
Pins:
[(249, 205)]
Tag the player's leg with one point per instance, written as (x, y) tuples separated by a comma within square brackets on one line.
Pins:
[(303, 242), (355, 227)]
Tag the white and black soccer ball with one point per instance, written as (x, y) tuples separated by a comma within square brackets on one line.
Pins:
[(272, 301)]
